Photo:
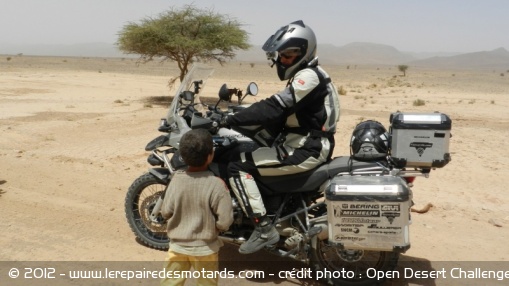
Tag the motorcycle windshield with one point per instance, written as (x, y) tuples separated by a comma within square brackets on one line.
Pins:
[(196, 73)]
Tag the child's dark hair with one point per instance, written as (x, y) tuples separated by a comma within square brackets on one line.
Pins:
[(195, 147)]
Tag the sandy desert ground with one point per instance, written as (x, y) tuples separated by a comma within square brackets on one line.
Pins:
[(73, 132)]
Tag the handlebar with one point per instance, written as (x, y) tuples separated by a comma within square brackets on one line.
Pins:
[(224, 141)]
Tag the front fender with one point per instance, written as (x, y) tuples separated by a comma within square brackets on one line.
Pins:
[(161, 174), (159, 141)]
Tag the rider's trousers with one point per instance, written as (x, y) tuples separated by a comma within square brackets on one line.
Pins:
[(267, 161)]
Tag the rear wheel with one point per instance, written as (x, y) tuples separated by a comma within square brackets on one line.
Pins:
[(140, 200), (350, 267)]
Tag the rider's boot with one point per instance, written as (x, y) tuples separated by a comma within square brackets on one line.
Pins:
[(263, 235)]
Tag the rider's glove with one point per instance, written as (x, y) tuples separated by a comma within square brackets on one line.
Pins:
[(223, 123)]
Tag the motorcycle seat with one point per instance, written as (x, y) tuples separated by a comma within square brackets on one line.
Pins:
[(310, 180)]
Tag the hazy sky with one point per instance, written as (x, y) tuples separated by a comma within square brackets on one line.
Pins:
[(408, 25)]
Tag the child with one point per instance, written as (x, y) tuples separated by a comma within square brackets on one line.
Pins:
[(197, 205)]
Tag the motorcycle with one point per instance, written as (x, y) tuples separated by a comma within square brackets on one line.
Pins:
[(345, 218)]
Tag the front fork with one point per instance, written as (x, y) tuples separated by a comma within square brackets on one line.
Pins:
[(162, 174), (156, 211)]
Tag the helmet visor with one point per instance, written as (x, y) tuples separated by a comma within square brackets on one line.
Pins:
[(271, 56), (286, 53)]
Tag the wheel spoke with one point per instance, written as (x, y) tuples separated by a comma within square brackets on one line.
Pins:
[(140, 201), (357, 261)]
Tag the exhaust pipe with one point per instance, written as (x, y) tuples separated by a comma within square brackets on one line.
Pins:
[(235, 240)]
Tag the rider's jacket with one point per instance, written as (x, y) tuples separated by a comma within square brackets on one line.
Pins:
[(307, 109)]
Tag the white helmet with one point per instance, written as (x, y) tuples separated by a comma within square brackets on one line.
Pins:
[(297, 38)]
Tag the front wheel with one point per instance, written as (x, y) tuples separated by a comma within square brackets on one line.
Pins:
[(140, 200), (350, 267)]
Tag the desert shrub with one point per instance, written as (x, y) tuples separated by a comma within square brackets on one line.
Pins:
[(492, 102), (394, 81), (342, 90), (472, 101), (252, 65), (502, 74), (419, 102), (9, 58)]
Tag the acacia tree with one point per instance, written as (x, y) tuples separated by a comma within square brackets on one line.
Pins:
[(403, 68), (184, 36)]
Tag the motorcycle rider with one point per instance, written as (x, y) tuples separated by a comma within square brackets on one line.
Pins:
[(303, 117)]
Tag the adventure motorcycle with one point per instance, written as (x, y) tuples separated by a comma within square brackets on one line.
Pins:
[(347, 217)]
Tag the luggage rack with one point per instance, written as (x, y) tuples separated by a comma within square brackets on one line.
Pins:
[(382, 170)]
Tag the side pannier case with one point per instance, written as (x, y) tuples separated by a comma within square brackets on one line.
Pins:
[(420, 140), (369, 213)]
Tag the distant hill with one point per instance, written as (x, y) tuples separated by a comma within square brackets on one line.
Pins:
[(351, 54), (498, 58), (106, 50), (354, 53), (377, 54), (364, 53)]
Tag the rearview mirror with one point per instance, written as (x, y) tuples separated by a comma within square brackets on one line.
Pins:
[(252, 89), (224, 94)]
